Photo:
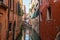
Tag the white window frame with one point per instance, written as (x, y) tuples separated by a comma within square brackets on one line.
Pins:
[(48, 15), (40, 17), (41, 2)]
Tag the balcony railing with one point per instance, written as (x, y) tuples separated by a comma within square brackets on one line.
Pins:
[(2, 4)]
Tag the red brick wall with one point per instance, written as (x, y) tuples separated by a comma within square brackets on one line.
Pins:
[(4, 21), (49, 29), (15, 18)]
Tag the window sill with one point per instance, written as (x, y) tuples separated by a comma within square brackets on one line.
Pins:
[(49, 20)]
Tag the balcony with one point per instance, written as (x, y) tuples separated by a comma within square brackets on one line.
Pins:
[(2, 5)]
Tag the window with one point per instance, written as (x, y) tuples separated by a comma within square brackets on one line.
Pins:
[(41, 2), (10, 24), (41, 16), (57, 36), (49, 13), (1, 1), (11, 3), (1, 14), (36, 4), (18, 9)]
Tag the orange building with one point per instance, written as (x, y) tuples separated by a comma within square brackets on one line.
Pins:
[(10, 19), (49, 19)]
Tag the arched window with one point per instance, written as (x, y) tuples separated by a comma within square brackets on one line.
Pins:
[(49, 15), (57, 36), (41, 16)]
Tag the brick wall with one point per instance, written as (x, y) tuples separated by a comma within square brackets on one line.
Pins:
[(13, 17), (50, 28)]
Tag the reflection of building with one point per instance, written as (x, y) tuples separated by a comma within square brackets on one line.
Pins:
[(10, 19), (34, 19), (49, 21)]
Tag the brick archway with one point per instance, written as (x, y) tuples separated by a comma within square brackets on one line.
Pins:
[(57, 36)]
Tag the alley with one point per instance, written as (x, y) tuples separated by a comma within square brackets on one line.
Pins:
[(29, 19), (30, 34)]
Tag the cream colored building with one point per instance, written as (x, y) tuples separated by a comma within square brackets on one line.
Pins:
[(35, 21)]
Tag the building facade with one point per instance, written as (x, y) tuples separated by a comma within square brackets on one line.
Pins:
[(34, 18), (10, 19), (49, 19)]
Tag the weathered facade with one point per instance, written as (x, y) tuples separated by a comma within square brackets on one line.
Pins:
[(34, 18), (49, 19), (10, 19)]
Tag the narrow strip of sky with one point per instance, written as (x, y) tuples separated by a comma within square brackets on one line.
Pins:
[(26, 3)]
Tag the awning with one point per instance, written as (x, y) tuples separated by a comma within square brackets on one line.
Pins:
[(35, 14)]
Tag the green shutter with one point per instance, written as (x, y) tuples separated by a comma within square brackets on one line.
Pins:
[(35, 14)]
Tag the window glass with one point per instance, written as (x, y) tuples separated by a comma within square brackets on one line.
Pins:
[(41, 16), (18, 9), (40, 2), (49, 13)]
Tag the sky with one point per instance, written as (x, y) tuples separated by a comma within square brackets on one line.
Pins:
[(26, 3)]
